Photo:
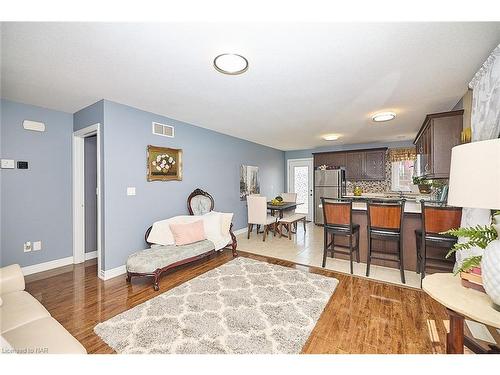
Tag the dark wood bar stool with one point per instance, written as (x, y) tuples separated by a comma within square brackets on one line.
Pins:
[(385, 222), (436, 218), (337, 215)]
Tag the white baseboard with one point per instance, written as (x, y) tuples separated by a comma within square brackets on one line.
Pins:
[(91, 255), (240, 231), (40, 267), (109, 274)]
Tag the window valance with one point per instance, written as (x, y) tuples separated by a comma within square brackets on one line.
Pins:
[(399, 154)]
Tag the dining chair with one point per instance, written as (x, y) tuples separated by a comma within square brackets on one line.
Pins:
[(437, 217), (337, 215), (257, 215), (289, 197), (290, 217), (385, 222)]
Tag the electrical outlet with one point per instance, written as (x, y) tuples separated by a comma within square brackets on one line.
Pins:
[(37, 245), (27, 246)]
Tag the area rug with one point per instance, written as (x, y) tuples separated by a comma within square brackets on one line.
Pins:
[(242, 307)]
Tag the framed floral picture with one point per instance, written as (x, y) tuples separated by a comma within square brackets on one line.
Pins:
[(164, 164)]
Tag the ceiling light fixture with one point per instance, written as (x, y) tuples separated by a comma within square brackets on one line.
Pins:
[(383, 116), (232, 64), (331, 137)]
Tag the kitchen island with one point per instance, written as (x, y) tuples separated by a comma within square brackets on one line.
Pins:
[(412, 220)]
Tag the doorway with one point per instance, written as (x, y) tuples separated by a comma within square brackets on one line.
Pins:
[(300, 181), (90, 203), (87, 196)]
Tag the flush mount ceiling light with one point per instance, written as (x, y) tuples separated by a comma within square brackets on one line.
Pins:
[(383, 116), (232, 64), (331, 137)]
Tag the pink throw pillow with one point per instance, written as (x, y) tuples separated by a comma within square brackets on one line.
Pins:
[(187, 233)]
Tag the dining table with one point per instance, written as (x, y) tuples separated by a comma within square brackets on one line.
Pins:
[(281, 208)]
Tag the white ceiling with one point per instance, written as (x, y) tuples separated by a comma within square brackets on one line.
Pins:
[(304, 80)]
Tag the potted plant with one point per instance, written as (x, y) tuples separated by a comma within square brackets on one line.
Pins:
[(424, 186), (486, 237)]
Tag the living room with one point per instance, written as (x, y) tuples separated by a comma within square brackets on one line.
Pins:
[(249, 188)]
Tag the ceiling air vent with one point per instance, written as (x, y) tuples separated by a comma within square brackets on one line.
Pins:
[(163, 130)]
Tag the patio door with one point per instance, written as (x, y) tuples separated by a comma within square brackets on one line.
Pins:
[(300, 181)]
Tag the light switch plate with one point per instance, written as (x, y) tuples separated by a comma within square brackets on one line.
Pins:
[(7, 164), (131, 191), (37, 245)]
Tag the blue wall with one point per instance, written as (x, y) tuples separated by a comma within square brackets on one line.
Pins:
[(35, 203), (211, 161)]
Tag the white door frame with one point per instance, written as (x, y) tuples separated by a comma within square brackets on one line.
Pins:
[(79, 193), (311, 182)]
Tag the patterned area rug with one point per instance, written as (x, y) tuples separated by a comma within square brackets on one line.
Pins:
[(242, 307)]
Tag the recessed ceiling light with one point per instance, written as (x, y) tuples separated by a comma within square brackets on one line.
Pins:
[(331, 137), (383, 116), (229, 63)]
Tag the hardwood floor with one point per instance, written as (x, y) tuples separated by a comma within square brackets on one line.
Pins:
[(363, 316)]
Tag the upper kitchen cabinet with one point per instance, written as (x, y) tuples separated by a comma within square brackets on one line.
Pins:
[(439, 133), (359, 164), (354, 168), (375, 165), (331, 159)]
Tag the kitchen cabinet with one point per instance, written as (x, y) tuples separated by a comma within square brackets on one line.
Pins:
[(338, 159), (354, 167), (374, 168), (359, 165), (439, 133)]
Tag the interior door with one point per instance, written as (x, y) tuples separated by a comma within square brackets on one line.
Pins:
[(300, 181)]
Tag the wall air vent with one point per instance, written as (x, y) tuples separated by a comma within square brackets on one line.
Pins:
[(163, 130)]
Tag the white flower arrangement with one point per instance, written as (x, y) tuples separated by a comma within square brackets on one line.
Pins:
[(163, 163)]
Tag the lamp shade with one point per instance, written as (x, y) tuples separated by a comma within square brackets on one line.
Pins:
[(475, 175)]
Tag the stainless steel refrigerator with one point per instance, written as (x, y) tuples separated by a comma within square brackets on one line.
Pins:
[(327, 184)]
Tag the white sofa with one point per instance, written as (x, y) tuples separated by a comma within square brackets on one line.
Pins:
[(26, 326)]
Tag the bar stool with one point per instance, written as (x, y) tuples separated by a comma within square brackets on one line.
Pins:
[(437, 217), (337, 214), (385, 222)]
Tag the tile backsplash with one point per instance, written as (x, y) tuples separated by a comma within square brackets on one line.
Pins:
[(373, 186)]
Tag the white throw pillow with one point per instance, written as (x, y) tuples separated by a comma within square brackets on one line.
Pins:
[(226, 220), (212, 224)]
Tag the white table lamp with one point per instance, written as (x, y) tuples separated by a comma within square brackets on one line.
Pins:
[(475, 183)]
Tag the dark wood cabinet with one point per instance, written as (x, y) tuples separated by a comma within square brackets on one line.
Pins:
[(359, 164), (374, 168), (338, 159), (354, 166), (439, 133)]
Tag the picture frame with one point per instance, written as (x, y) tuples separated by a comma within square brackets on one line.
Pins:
[(164, 164), (249, 181)]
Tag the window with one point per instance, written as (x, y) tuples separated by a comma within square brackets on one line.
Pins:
[(401, 175)]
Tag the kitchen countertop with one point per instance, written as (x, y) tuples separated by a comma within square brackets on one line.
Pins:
[(410, 207), (412, 204)]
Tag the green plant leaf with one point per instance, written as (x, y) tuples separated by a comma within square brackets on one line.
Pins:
[(474, 261)]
